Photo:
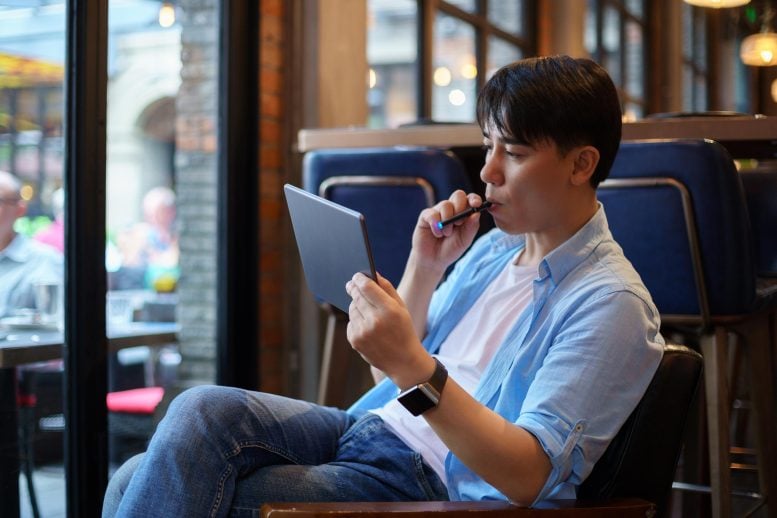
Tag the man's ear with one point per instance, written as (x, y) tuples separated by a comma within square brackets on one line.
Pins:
[(586, 160)]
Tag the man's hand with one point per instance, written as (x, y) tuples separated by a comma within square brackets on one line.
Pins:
[(434, 248), (382, 332)]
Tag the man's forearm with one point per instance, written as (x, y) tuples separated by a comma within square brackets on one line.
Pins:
[(416, 289), (502, 453)]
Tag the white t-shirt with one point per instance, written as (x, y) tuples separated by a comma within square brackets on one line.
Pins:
[(465, 353)]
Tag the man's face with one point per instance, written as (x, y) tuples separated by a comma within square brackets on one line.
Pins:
[(527, 183), (11, 208)]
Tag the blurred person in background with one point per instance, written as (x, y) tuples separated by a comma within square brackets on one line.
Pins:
[(54, 234), (23, 262), (149, 249)]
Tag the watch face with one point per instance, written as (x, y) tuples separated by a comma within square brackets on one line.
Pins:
[(419, 399)]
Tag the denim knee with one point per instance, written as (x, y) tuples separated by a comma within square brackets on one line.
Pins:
[(118, 484), (207, 398), (201, 410)]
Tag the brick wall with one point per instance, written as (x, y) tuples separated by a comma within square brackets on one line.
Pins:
[(196, 187), (196, 184), (272, 207)]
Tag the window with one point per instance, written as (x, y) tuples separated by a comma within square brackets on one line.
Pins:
[(392, 51), (161, 137), (465, 40), (615, 38), (32, 75), (694, 56)]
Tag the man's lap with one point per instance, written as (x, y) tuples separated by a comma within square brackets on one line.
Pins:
[(290, 450)]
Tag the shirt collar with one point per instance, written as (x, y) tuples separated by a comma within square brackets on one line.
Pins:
[(565, 257), (17, 250)]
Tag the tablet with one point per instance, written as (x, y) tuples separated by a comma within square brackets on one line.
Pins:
[(332, 242)]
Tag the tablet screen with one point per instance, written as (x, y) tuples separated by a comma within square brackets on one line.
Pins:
[(332, 242)]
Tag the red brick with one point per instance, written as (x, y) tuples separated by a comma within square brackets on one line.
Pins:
[(271, 8), (270, 105)]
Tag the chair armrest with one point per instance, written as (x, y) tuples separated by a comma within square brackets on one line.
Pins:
[(616, 507)]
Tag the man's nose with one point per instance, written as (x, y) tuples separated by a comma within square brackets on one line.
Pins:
[(491, 171)]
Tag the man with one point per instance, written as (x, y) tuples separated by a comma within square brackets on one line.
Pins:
[(23, 262), (548, 336)]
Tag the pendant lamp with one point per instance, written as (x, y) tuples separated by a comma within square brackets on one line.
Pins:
[(717, 4), (759, 50)]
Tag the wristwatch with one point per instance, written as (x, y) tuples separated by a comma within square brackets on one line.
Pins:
[(425, 395)]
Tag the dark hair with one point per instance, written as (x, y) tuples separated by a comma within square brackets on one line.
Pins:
[(571, 102)]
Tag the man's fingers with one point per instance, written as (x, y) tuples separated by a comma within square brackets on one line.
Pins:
[(389, 288)]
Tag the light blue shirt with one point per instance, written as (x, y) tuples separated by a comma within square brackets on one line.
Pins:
[(24, 263), (574, 365)]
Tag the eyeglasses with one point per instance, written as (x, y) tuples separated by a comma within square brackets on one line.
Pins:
[(9, 201)]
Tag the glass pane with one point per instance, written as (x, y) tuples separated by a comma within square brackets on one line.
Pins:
[(632, 112), (700, 42), (32, 58), (392, 51), (636, 7), (161, 205), (507, 16), (700, 94), (455, 72), (591, 28), (635, 60), (464, 5), (688, 104), (687, 32), (611, 44), (500, 53)]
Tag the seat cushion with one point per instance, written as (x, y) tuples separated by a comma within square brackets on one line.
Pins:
[(135, 401)]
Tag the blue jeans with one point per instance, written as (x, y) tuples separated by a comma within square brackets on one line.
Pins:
[(223, 451)]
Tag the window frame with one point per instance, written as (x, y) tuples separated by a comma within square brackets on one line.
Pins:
[(484, 28), (85, 351), (690, 61), (626, 16)]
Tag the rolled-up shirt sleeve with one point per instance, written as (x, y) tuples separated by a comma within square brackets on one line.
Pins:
[(595, 372)]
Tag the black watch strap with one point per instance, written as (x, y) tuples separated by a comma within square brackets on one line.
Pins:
[(426, 395), (439, 376)]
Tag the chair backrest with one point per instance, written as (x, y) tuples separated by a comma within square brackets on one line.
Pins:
[(640, 461), (390, 186), (761, 192), (677, 207)]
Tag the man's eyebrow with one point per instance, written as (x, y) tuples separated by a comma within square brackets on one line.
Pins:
[(508, 140), (514, 141)]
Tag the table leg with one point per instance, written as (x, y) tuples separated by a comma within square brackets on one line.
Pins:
[(9, 444)]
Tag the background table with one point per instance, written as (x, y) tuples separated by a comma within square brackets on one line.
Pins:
[(28, 346)]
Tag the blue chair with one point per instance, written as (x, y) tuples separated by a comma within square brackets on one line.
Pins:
[(390, 187), (678, 209)]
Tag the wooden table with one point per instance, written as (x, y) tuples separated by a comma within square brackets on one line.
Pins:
[(744, 137), (29, 346)]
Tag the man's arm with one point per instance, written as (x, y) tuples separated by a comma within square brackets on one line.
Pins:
[(416, 289), (433, 251), (503, 454)]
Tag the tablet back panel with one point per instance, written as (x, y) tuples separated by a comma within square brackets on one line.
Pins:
[(332, 242)]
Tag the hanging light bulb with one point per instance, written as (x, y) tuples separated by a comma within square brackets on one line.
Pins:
[(166, 14), (760, 50), (717, 4)]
